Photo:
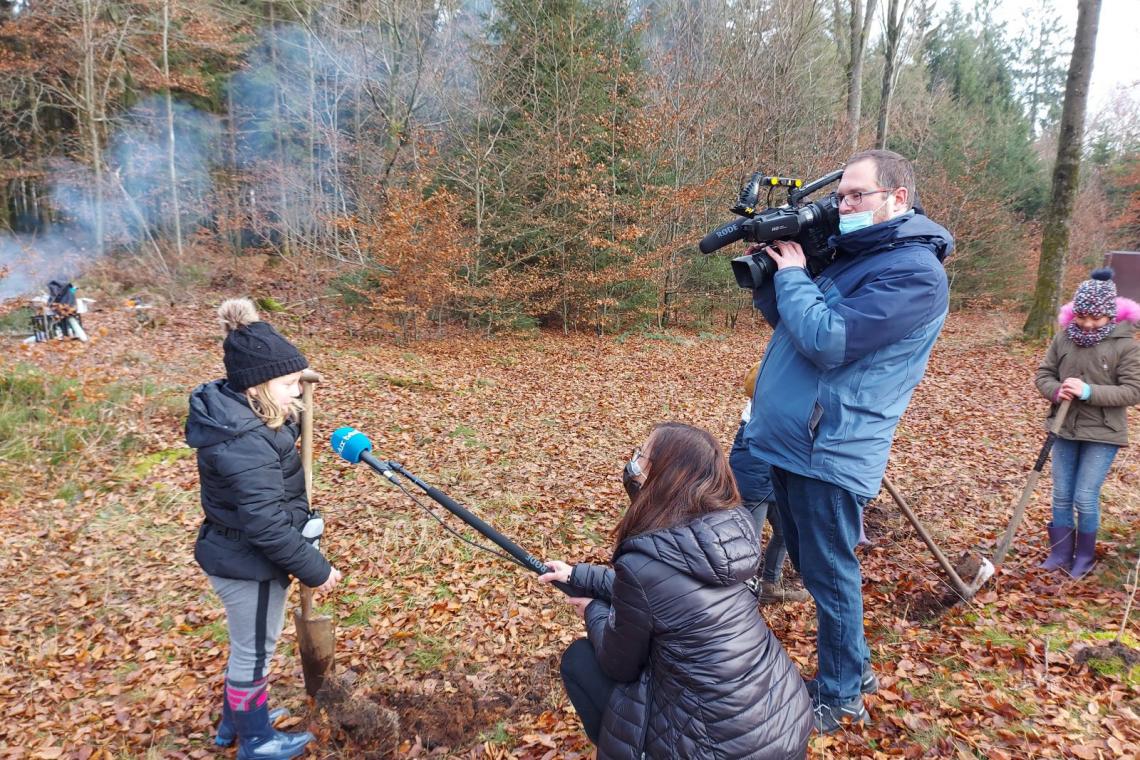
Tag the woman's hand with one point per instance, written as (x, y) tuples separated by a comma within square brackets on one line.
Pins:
[(580, 603), (1072, 388), (333, 579), (559, 571)]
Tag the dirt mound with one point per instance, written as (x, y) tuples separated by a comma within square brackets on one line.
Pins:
[(1114, 650)]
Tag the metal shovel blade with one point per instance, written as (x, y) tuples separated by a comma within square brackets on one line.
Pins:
[(316, 640)]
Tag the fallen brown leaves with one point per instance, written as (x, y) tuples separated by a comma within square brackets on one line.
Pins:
[(111, 644)]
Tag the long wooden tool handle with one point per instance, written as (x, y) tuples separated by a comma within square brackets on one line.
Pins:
[(308, 379), (1031, 483), (307, 431), (955, 579)]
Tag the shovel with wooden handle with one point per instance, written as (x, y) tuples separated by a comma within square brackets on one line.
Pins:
[(315, 636), (964, 590), (1031, 483)]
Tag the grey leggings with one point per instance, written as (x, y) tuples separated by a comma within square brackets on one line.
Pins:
[(255, 614)]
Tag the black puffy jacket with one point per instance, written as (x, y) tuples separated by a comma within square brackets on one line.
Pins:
[(253, 492), (700, 675)]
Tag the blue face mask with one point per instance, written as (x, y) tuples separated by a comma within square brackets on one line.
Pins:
[(860, 220), (849, 223)]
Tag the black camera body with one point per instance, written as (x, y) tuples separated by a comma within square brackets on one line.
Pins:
[(811, 224)]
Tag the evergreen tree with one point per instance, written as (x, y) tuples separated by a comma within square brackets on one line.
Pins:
[(970, 55), (566, 75), (1041, 70)]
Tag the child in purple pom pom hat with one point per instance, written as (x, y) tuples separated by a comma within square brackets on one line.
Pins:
[(1094, 362)]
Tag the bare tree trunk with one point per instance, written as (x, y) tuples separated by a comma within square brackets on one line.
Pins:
[(240, 220), (313, 213), (859, 27), (283, 211), (1066, 174), (175, 209), (896, 16), (5, 204), (91, 108)]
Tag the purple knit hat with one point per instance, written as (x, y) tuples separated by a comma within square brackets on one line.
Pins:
[(1096, 297)]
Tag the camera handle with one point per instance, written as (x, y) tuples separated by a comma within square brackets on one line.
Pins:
[(795, 196)]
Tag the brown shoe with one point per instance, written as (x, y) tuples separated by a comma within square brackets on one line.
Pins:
[(774, 593)]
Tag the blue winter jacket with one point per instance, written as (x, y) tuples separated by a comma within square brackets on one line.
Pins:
[(847, 352), (753, 475)]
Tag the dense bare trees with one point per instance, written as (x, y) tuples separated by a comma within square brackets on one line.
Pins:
[(499, 161)]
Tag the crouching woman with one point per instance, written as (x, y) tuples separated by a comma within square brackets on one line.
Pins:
[(678, 663)]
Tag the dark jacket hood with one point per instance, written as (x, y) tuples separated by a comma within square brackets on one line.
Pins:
[(718, 548), (910, 229), (217, 414)]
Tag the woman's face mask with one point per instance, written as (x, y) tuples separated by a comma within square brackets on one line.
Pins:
[(633, 474), (630, 482)]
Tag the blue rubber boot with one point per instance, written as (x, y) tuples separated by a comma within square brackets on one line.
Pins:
[(226, 733), (258, 740)]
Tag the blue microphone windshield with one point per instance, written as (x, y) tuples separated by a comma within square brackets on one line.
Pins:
[(349, 443)]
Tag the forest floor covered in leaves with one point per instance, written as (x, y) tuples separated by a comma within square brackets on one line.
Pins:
[(112, 645)]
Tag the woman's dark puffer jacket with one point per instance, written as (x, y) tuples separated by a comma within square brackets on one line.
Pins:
[(253, 493), (675, 625)]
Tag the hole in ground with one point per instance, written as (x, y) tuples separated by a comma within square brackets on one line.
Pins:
[(441, 710)]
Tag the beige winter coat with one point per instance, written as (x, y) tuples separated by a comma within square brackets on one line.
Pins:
[(1111, 368)]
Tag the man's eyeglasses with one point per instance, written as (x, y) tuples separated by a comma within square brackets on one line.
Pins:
[(855, 198)]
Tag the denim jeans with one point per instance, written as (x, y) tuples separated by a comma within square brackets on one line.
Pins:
[(1079, 470), (821, 527), (775, 551)]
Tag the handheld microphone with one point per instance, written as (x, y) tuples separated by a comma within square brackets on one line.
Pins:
[(353, 446)]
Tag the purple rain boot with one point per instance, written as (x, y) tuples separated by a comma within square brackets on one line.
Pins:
[(1060, 548), (1086, 554)]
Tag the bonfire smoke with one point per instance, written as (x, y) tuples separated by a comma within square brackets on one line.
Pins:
[(134, 206), (311, 121)]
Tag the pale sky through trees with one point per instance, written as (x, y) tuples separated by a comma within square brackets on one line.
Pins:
[(1116, 65)]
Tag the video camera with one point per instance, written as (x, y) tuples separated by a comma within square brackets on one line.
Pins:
[(809, 224)]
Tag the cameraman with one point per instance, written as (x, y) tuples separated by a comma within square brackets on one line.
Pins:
[(849, 347)]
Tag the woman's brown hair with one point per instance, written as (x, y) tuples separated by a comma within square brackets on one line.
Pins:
[(688, 476)]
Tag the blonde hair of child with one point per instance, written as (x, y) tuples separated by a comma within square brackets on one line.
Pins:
[(262, 403)]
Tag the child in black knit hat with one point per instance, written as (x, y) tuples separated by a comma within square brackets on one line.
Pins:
[(254, 539), (1094, 363)]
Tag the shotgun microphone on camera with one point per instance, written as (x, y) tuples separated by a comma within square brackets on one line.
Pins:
[(724, 235), (353, 446)]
